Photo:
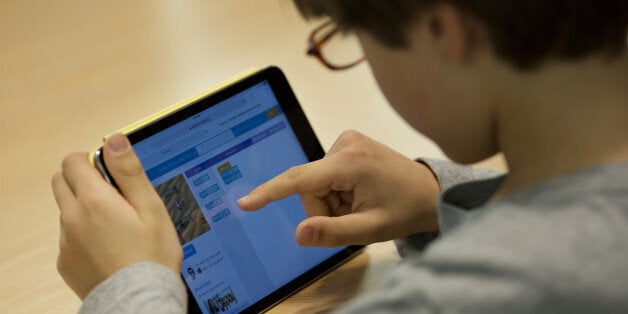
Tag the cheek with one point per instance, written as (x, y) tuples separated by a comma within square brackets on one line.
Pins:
[(385, 65), (416, 110), (388, 82), (426, 98), (400, 86), (409, 102)]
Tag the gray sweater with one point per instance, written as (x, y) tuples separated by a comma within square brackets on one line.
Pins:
[(561, 246)]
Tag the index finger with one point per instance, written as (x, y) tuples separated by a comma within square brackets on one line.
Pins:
[(314, 176), (80, 175)]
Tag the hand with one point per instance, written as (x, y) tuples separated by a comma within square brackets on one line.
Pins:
[(361, 192), (102, 230)]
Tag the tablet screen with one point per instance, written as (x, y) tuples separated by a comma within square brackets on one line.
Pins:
[(200, 166)]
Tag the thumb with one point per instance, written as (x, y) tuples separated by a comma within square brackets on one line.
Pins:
[(127, 171), (351, 229)]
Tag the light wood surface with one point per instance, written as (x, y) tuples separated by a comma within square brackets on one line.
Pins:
[(72, 71)]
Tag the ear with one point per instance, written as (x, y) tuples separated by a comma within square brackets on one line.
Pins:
[(447, 28)]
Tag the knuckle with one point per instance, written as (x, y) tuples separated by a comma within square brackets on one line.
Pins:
[(351, 162), (355, 154), (56, 178), (350, 149), (346, 138), (70, 160), (268, 192), (294, 172), (350, 136)]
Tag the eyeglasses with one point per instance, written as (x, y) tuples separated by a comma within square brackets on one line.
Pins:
[(335, 49)]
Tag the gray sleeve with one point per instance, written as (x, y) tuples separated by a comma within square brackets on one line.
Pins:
[(448, 174), (143, 287)]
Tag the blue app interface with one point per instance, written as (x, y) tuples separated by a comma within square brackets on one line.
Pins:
[(200, 167)]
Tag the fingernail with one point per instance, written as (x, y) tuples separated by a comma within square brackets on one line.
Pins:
[(118, 143), (246, 200)]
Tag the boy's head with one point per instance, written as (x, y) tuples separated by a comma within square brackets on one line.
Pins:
[(445, 65), (523, 32)]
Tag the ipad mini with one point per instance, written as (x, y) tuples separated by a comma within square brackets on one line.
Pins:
[(203, 154)]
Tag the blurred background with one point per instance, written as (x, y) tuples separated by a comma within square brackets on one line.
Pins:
[(72, 71)]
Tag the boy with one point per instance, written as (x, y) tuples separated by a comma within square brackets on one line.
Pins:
[(543, 82)]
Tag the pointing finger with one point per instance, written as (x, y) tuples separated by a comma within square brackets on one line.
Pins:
[(315, 176)]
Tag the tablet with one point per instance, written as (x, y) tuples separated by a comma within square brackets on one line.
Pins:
[(203, 154)]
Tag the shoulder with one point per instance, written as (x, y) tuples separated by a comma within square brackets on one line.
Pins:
[(564, 243)]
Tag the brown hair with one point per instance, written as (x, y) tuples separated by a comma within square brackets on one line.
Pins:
[(523, 32)]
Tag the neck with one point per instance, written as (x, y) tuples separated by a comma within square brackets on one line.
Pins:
[(564, 118)]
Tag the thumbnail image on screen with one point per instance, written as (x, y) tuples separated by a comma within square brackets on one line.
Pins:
[(183, 209)]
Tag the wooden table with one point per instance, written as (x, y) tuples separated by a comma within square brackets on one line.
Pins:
[(72, 71)]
